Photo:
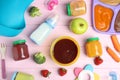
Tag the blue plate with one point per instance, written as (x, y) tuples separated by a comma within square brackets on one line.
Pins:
[(12, 20)]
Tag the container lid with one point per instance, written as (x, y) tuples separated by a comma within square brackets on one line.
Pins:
[(19, 42), (68, 9), (14, 75), (92, 39)]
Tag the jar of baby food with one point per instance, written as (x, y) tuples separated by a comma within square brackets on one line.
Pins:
[(76, 8), (22, 76), (93, 47), (20, 50)]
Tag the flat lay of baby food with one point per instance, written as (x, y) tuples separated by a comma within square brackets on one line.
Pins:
[(59, 39)]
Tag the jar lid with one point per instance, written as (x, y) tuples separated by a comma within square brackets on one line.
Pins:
[(92, 39), (68, 9), (19, 42), (14, 75)]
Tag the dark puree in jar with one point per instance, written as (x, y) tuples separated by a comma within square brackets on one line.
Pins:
[(65, 51), (117, 23)]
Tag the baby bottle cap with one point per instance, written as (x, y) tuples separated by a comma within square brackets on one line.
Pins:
[(92, 39), (19, 42), (52, 20), (68, 9), (14, 75)]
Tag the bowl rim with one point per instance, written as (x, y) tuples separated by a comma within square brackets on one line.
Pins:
[(52, 48)]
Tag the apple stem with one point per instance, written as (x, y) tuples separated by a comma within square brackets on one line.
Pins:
[(81, 25)]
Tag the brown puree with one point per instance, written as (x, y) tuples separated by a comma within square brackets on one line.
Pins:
[(117, 23), (65, 51)]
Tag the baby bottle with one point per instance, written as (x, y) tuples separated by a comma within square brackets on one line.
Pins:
[(93, 47), (76, 8), (43, 31)]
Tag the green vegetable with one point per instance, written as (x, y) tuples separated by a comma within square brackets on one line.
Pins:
[(39, 58), (34, 11)]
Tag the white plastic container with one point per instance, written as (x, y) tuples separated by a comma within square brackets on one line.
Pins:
[(43, 31)]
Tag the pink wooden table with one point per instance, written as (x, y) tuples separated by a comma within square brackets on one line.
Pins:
[(29, 66)]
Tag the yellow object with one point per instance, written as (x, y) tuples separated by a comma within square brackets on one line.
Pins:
[(93, 47), (76, 8), (22, 76), (96, 76), (76, 78), (63, 49), (111, 2)]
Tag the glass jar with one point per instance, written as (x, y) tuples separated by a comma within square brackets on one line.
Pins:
[(22, 76), (20, 50), (93, 47), (76, 8)]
